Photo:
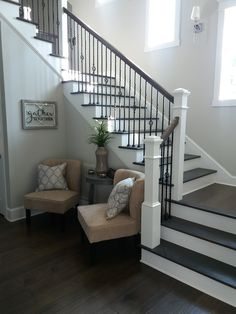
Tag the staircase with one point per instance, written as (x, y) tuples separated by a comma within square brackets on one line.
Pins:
[(197, 243)]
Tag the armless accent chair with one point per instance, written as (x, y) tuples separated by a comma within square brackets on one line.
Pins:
[(56, 201), (93, 217)]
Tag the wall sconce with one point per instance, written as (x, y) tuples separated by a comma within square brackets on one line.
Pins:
[(195, 16)]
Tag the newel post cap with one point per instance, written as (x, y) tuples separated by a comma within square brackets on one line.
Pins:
[(181, 91)]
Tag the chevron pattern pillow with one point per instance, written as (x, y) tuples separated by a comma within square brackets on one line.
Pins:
[(52, 178), (119, 197)]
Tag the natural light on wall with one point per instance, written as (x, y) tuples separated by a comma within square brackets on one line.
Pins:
[(225, 80), (162, 24)]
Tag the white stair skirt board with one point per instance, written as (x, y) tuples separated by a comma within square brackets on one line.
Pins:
[(191, 278), (199, 183), (205, 218), (222, 176), (204, 247)]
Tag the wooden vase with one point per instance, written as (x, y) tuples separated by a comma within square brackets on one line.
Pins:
[(101, 161)]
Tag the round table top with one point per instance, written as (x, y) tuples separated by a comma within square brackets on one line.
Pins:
[(95, 179)]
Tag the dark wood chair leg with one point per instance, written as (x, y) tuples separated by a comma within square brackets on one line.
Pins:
[(63, 222), (92, 253), (28, 217)]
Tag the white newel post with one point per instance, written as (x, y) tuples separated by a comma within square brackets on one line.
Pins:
[(151, 208), (179, 110)]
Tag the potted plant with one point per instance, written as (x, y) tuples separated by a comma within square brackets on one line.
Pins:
[(100, 137)]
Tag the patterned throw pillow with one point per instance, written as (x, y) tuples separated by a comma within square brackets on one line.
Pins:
[(119, 197), (51, 178)]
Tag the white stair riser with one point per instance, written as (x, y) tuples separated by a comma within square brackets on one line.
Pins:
[(191, 278), (94, 88), (199, 183), (91, 79), (204, 247), (212, 220), (193, 163), (9, 10)]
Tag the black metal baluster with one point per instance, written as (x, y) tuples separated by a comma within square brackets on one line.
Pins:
[(83, 78), (106, 83), (102, 80), (93, 86), (97, 67), (156, 128), (43, 15), (58, 30), (94, 69), (139, 115), (151, 107), (111, 84), (48, 20), (119, 95), (134, 110), (124, 104), (145, 116), (74, 50), (85, 60), (33, 11), (130, 82), (171, 168), (163, 115)]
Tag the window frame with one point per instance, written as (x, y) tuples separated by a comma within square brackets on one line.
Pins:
[(98, 4), (223, 4), (176, 41)]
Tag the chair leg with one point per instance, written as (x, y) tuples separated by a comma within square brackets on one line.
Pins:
[(63, 222), (28, 217), (92, 253)]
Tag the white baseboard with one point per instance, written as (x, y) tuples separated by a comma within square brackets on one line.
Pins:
[(18, 213), (191, 278)]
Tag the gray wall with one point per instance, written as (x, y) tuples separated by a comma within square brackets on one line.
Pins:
[(26, 76), (191, 65)]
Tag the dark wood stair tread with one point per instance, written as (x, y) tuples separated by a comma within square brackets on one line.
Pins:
[(216, 198), (202, 232), (117, 119), (197, 173), (27, 21), (44, 39), (103, 94), (98, 75), (112, 106), (135, 131), (191, 157), (186, 157), (207, 266), (95, 84), (57, 56)]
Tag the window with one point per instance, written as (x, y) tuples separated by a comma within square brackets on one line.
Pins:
[(163, 19), (225, 75), (99, 3)]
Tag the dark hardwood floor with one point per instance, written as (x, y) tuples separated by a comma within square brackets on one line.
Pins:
[(47, 271)]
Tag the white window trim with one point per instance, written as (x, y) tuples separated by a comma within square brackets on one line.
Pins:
[(173, 43), (223, 4)]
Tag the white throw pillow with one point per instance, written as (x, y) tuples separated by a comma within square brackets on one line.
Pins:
[(52, 178), (119, 197)]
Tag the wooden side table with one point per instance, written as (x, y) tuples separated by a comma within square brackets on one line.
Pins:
[(93, 180)]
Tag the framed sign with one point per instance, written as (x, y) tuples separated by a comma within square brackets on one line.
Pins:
[(39, 114)]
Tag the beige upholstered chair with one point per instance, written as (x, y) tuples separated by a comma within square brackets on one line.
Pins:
[(56, 201), (93, 217)]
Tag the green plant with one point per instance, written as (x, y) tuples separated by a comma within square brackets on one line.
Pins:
[(101, 136)]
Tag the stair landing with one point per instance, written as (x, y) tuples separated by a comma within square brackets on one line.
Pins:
[(217, 198)]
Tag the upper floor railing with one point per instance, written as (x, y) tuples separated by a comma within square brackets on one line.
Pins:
[(46, 14)]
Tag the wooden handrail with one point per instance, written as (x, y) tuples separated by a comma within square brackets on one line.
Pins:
[(170, 129), (121, 56)]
